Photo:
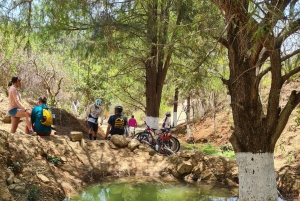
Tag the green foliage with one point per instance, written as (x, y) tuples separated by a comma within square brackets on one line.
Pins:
[(210, 149), (289, 159), (54, 160), (33, 194)]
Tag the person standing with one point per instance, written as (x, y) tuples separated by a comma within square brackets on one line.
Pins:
[(116, 123), (167, 121), (37, 117), (93, 112), (132, 125), (16, 109)]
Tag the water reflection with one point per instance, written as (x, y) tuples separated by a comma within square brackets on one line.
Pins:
[(155, 190)]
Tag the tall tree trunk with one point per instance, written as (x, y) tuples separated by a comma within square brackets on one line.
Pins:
[(188, 109), (175, 107), (251, 42)]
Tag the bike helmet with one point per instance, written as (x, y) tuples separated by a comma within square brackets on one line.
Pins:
[(168, 113), (98, 102), (119, 108)]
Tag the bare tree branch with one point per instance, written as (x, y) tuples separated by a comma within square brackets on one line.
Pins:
[(290, 74), (290, 55)]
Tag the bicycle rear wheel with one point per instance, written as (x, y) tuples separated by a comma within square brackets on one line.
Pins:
[(144, 138), (173, 144)]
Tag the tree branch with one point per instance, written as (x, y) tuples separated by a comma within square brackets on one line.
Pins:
[(290, 55), (289, 74)]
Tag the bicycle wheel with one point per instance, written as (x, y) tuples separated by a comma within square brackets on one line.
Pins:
[(173, 144), (144, 138), (166, 151)]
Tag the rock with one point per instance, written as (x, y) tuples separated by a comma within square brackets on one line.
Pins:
[(6, 119), (12, 186), (184, 168), (76, 136), (119, 140), (134, 143), (10, 179), (198, 170), (20, 189), (208, 175), (16, 180), (43, 178), (112, 145)]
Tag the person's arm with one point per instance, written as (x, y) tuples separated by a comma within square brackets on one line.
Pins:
[(33, 116), (87, 113), (107, 131), (101, 116)]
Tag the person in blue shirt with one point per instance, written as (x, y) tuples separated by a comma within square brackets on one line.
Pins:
[(116, 123), (37, 116)]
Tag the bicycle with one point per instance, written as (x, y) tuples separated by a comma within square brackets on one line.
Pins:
[(163, 143)]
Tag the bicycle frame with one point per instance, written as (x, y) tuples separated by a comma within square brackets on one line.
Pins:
[(164, 136)]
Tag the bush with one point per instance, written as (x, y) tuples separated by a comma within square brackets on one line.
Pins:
[(33, 194)]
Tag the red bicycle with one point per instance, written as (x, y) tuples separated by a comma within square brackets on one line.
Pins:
[(162, 142)]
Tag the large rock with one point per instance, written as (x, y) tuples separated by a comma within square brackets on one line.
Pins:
[(76, 136), (119, 140), (134, 143), (184, 168)]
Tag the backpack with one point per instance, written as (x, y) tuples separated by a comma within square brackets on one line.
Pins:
[(47, 119)]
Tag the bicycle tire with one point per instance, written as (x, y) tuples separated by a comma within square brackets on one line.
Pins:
[(173, 144), (143, 137)]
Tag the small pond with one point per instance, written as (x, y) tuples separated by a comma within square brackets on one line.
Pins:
[(133, 189)]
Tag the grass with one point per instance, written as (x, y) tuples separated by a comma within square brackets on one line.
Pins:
[(33, 194), (209, 149)]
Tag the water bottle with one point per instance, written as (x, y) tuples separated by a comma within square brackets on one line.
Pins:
[(156, 147)]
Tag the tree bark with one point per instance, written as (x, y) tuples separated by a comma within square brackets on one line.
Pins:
[(251, 43), (175, 107)]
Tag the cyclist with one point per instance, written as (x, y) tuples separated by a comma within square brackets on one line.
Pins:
[(116, 123), (93, 112), (167, 122)]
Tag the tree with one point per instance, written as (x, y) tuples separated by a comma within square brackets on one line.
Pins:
[(255, 35)]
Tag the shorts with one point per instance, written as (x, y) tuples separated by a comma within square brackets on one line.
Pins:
[(93, 126), (13, 112), (131, 129)]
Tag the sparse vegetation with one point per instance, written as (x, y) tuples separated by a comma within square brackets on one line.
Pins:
[(210, 149), (33, 194), (54, 160)]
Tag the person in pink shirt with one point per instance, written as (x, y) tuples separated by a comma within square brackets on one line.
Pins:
[(132, 125), (16, 109)]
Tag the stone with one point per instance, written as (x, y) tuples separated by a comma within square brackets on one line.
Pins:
[(184, 167), (133, 144), (10, 179), (198, 169), (208, 175), (6, 119), (119, 140), (76, 136), (43, 178), (20, 189)]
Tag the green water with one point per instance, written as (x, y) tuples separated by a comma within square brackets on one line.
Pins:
[(129, 189)]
